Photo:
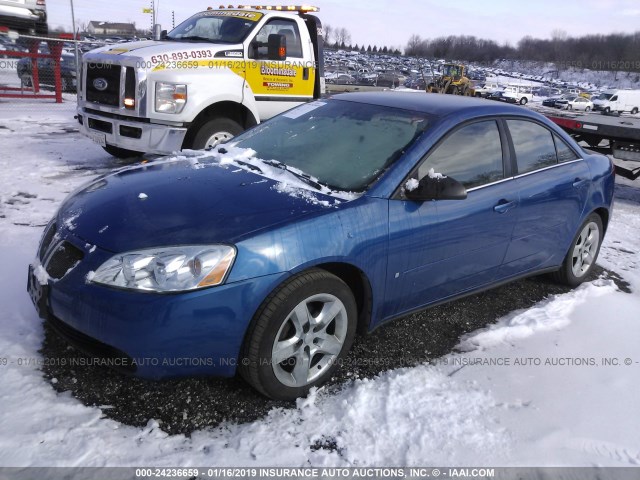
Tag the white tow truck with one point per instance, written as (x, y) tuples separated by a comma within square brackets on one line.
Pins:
[(216, 74)]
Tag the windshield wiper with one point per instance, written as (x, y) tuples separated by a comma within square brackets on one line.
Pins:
[(299, 175)]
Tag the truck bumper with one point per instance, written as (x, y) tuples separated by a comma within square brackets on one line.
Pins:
[(131, 135)]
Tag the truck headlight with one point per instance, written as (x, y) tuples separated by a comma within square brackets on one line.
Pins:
[(170, 97), (167, 269)]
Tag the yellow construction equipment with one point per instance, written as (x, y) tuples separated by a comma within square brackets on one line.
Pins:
[(453, 80)]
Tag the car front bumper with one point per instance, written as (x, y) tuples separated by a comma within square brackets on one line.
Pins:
[(151, 335), (131, 134)]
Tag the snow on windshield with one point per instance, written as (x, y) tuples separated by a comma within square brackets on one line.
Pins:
[(289, 180)]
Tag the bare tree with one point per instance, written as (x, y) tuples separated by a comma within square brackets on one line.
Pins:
[(328, 34), (343, 37), (414, 46)]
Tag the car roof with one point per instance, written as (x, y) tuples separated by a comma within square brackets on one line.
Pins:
[(431, 103)]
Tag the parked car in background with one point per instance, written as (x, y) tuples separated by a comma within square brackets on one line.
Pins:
[(519, 93), (500, 97), (574, 102), (24, 16), (46, 72), (337, 216), (486, 89), (551, 101)]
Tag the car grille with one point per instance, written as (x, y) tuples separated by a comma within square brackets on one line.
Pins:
[(107, 75), (63, 258)]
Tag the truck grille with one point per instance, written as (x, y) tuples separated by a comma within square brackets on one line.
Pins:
[(103, 84)]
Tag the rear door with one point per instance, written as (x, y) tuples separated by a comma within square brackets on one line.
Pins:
[(553, 182)]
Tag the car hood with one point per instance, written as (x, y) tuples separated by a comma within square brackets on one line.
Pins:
[(150, 50), (183, 201)]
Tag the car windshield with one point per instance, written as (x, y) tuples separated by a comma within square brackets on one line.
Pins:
[(227, 26), (345, 145)]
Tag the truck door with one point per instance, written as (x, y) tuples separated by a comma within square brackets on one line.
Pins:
[(278, 85)]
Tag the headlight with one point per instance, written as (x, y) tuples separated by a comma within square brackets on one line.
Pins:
[(170, 97), (169, 269)]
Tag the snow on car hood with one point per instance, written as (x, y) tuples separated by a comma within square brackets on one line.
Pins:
[(196, 197)]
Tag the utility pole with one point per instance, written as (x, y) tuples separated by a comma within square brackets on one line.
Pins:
[(173, 19)]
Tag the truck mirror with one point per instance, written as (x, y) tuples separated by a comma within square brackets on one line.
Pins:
[(277, 47)]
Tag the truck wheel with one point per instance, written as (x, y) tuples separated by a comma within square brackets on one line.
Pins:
[(121, 153), (299, 336), (523, 101), (634, 110), (215, 131), (606, 110)]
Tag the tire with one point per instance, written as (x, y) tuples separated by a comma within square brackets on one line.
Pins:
[(582, 254), (121, 153), (634, 110), (64, 84), (523, 101), (587, 109), (569, 107), (215, 131), (282, 355), (606, 110)]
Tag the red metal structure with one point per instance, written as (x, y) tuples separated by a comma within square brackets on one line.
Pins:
[(55, 52)]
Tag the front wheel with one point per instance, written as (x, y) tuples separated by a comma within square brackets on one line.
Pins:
[(523, 101), (587, 109), (299, 336), (215, 131), (582, 254)]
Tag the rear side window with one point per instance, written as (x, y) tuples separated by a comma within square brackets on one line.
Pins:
[(472, 155), (565, 154), (533, 145)]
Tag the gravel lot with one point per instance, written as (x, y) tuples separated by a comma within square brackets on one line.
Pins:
[(185, 405)]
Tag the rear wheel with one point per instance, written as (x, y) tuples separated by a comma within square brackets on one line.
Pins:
[(587, 109), (299, 335), (582, 254), (121, 153), (634, 110), (215, 131), (523, 101)]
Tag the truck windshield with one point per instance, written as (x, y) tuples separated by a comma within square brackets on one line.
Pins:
[(344, 145), (210, 28)]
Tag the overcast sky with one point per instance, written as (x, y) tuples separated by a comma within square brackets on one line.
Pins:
[(390, 23)]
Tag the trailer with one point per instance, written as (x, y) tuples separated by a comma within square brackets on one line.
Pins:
[(616, 135)]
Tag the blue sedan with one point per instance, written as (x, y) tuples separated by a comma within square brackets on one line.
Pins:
[(266, 255)]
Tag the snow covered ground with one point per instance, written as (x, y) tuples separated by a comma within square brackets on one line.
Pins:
[(556, 384)]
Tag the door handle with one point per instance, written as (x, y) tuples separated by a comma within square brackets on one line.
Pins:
[(504, 206), (577, 183)]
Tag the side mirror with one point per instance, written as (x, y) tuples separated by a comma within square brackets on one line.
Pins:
[(435, 188), (277, 47)]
